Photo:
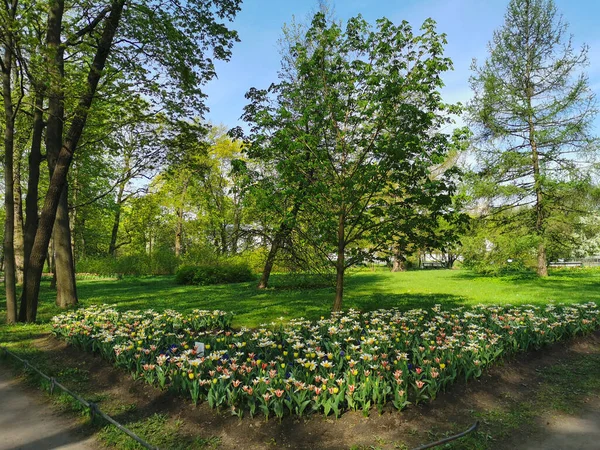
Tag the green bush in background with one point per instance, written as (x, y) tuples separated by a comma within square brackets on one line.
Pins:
[(221, 273)]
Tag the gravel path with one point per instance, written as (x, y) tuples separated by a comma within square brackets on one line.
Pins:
[(26, 423)]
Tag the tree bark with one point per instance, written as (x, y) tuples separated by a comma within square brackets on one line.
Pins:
[(529, 89), (223, 238), (18, 204), (542, 267), (179, 225), (51, 262), (9, 208), (266, 273), (66, 291), (399, 262), (112, 248), (31, 200), (285, 228), (65, 156), (235, 234), (340, 265)]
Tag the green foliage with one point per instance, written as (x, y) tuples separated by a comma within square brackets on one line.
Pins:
[(499, 248), (224, 272), (532, 114), (160, 263), (350, 139)]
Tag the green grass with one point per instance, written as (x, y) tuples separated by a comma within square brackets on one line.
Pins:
[(159, 429), (364, 290)]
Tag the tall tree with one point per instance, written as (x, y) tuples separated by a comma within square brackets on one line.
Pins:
[(8, 15), (365, 104), (156, 44), (532, 111)]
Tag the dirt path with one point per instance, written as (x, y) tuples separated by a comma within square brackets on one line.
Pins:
[(26, 423), (568, 432), (581, 433)]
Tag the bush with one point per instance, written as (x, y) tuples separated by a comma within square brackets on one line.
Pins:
[(220, 273)]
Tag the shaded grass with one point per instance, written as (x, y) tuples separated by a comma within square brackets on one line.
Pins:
[(159, 429), (561, 388), (364, 291)]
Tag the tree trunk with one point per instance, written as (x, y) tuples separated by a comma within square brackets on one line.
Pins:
[(223, 238), (178, 231), (66, 291), (179, 225), (235, 234), (399, 262), (51, 261), (31, 200), (542, 268), (112, 248), (340, 266), (9, 208), (18, 204), (285, 228), (59, 177), (237, 212), (266, 273), (72, 216)]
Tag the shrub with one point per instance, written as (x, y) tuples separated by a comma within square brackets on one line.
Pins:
[(160, 263), (220, 273), (98, 265)]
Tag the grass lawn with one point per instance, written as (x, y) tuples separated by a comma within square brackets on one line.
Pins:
[(557, 386), (364, 291)]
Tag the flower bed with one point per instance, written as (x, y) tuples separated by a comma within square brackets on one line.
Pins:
[(350, 361)]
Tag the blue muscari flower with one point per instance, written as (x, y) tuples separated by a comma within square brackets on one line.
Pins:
[(342, 353), (410, 366)]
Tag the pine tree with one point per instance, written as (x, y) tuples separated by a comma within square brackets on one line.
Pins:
[(532, 113)]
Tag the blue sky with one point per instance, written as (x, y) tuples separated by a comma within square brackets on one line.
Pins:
[(468, 24)]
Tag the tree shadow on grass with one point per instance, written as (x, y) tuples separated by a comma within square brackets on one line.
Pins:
[(405, 302), (251, 306), (510, 276)]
